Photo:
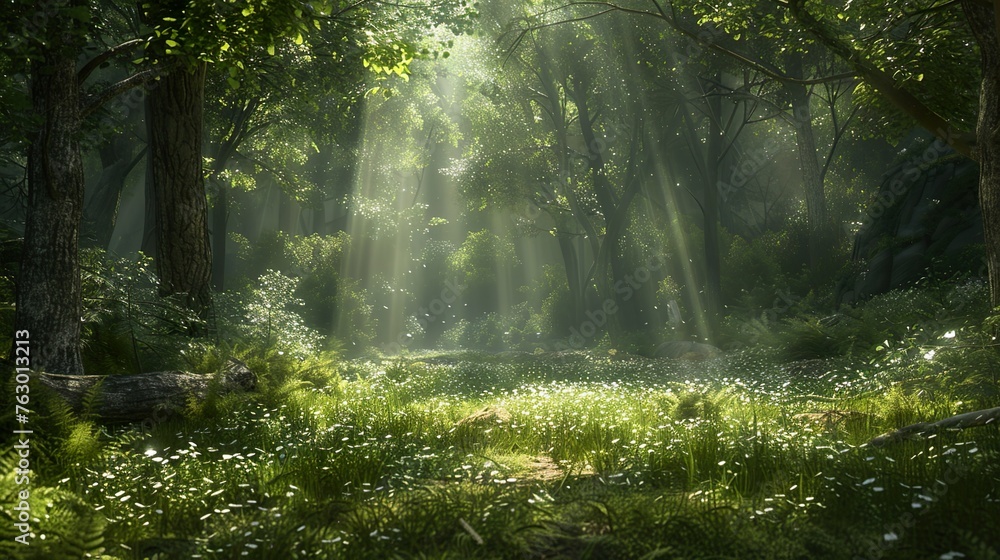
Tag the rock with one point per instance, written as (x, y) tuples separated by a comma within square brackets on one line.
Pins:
[(908, 265)]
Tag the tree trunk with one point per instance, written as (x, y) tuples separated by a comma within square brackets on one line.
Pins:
[(146, 396), (183, 253), (101, 208), (148, 245), (220, 218), (982, 22), (812, 181), (627, 317), (922, 429), (319, 217), (288, 212), (48, 304), (710, 207)]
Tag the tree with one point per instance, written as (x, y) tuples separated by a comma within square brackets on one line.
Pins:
[(187, 36), (50, 39), (48, 289)]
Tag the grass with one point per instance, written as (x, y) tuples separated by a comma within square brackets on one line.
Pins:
[(583, 455)]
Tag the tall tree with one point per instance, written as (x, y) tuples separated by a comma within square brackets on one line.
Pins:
[(48, 289), (49, 40), (187, 36), (176, 117)]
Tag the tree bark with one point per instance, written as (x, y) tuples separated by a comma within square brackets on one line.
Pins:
[(148, 245), (48, 299), (286, 212), (133, 398), (981, 21), (183, 252)]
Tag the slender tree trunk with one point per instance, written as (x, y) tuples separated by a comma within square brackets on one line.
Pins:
[(183, 253), (148, 245), (627, 318), (286, 212), (319, 217), (710, 206), (100, 212), (982, 21), (220, 229), (812, 183), (48, 304), (812, 179)]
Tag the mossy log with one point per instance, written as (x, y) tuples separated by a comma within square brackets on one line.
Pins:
[(138, 397), (921, 429)]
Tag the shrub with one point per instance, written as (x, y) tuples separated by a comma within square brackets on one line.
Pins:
[(268, 316), (337, 305), (127, 326)]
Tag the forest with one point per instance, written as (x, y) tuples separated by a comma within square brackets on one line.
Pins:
[(484, 279)]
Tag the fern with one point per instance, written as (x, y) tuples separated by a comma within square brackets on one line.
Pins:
[(63, 526), (91, 401), (78, 531)]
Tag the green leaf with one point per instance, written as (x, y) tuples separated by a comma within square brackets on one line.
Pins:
[(298, 39), (270, 50), (172, 43)]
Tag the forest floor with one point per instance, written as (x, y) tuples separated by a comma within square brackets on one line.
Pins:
[(575, 455)]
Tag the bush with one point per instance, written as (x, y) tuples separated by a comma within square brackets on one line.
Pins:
[(127, 326), (267, 316), (337, 305), (481, 258)]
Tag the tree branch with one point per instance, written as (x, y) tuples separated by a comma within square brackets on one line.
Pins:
[(762, 67), (926, 117), (958, 422), (98, 60), (94, 102)]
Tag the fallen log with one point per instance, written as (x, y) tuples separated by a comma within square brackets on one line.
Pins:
[(922, 429), (138, 397)]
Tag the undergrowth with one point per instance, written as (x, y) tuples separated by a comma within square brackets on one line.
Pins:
[(567, 455)]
